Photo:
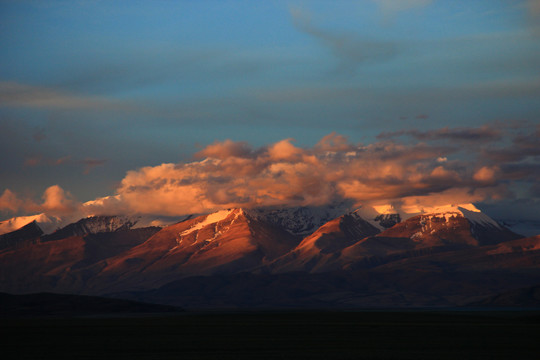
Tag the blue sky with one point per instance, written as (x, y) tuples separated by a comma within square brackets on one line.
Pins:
[(92, 89)]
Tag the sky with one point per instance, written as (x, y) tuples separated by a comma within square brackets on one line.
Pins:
[(177, 107)]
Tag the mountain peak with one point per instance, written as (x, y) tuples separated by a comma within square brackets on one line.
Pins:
[(301, 220), (468, 211), (45, 222), (212, 218)]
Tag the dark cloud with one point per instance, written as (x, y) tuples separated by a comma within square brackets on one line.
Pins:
[(33, 160), (534, 190), (481, 134), (39, 134), (91, 164), (40, 160), (351, 49), (521, 171), (523, 146), (13, 94)]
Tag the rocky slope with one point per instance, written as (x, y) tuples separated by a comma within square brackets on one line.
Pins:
[(448, 256)]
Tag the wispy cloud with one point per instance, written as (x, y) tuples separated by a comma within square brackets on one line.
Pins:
[(88, 164), (351, 49), (91, 164), (393, 7), (14, 94), (480, 134)]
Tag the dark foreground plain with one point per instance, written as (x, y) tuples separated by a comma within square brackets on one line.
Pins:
[(279, 335)]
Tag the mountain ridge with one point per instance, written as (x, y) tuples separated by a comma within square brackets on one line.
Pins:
[(112, 256)]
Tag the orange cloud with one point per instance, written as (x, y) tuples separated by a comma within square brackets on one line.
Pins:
[(284, 150), (58, 201), (485, 175), (55, 201), (10, 202), (224, 150), (233, 174), (334, 142)]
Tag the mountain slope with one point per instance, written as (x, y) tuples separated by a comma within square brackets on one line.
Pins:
[(46, 223), (30, 231), (448, 229), (300, 221), (227, 241), (93, 225), (63, 265), (528, 297), (322, 247)]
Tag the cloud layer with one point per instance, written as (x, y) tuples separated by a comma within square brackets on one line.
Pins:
[(479, 166)]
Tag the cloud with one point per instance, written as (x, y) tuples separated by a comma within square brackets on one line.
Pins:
[(524, 146), (88, 164), (481, 134), (39, 134), (395, 6), (350, 49), (10, 202), (33, 160), (485, 175), (226, 149), (391, 8), (334, 142), (92, 163), (55, 201), (13, 94), (234, 174), (533, 9)]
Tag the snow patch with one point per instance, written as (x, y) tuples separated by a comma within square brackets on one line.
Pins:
[(209, 219), (468, 211), (478, 217), (299, 220), (367, 215), (45, 223)]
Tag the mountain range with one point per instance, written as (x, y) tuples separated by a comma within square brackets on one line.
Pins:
[(453, 255)]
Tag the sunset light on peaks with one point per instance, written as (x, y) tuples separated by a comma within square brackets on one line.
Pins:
[(239, 179), (235, 174)]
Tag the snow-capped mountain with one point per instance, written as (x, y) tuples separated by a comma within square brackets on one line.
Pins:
[(357, 237), (94, 225), (226, 241), (300, 221), (55, 227), (522, 227), (323, 246), (109, 254), (29, 231), (445, 228), (46, 223)]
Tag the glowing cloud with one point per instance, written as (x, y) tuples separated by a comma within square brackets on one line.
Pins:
[(234, 174)]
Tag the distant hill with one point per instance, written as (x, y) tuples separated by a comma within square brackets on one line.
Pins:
[(64, 305)]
